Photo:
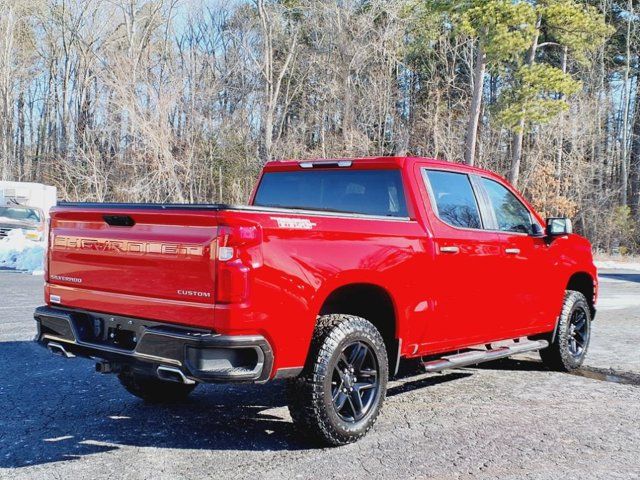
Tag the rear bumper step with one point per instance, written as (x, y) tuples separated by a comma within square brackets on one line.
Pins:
[(479, 356), (164, 350)]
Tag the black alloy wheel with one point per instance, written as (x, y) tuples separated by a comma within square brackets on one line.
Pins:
[(579, 332), (355, 384), (340, 392), (569, 343)]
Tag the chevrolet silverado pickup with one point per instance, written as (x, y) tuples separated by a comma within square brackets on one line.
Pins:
[(335, 271)]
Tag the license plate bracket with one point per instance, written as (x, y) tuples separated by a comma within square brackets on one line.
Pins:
[(121, 337)]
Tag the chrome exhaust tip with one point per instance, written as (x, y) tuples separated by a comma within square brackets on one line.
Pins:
[(173, 374), (58, 349)]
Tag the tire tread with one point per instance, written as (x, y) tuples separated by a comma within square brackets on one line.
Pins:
[(306, 391), (557, 356)]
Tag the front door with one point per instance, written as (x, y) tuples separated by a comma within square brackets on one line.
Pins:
[(526, 261), (463, 274)]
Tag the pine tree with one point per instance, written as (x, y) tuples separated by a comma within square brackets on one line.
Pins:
[(539, 92)]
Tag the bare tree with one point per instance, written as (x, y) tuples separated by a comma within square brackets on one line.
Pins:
[(161, 100)]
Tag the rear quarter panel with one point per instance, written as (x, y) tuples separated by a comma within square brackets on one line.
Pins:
[(303, 266)]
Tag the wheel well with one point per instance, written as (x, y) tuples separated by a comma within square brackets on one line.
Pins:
[(372, 303), (583, 283)]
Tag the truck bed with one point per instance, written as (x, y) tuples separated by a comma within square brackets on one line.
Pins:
[(217, 207), (155, 261)]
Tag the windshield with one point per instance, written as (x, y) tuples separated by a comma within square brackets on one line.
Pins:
[(20, 213), (369, 192)]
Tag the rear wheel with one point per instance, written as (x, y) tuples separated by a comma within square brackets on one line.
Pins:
[(569, 347), (339, 395), (152, 389)]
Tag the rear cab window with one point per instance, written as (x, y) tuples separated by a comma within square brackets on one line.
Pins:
[(366, 192)]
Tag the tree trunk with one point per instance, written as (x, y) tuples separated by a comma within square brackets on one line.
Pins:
[(476, 103), (634, 161), (516, 154), (518, 136), (626, 98), (560, 145), (6, 102), (22, 172), (273, 80)]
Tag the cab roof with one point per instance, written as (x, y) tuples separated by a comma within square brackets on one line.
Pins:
[(367, 163)]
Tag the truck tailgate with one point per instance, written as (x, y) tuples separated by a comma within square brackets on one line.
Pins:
[(149, 263)]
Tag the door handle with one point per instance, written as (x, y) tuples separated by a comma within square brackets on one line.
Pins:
[(449, 249), (512, 251)]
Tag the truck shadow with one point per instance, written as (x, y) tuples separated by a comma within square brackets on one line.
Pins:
[(406, 385), (627, 277), (53, 409), (585, 371), (514, 364)]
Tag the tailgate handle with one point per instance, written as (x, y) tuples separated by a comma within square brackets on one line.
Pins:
[(119, 220)]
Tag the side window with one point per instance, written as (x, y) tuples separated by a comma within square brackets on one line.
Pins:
[(511, 214), (454, 199)]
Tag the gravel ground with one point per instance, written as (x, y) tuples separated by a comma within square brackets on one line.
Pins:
[(509, 419)]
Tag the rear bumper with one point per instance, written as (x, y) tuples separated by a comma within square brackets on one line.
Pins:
[(154, 347)]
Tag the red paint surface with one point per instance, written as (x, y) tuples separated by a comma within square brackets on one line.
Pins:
[(279, 277)]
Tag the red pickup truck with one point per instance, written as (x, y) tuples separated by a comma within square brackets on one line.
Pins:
[(336, 271)]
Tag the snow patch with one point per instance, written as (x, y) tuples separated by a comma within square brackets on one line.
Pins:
[(20, 253), (617, 265)]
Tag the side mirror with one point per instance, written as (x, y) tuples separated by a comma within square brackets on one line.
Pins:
[(557, 226)]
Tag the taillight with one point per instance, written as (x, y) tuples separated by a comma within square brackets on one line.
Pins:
[(232, 282), (238, 252)]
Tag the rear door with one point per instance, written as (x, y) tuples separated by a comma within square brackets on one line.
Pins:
[(525, 261), (466, 303)]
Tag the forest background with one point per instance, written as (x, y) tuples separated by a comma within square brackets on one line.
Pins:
[(184, 100)]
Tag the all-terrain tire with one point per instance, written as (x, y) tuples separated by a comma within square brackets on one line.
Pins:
[(315, 395), (562, 355), (154, 390)]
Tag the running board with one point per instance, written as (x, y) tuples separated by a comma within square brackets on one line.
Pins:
[(479, 356)]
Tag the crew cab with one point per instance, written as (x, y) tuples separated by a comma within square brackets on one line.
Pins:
[(335, 271)]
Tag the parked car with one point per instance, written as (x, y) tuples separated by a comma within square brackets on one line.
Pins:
[(336, 271), (28, 219)]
